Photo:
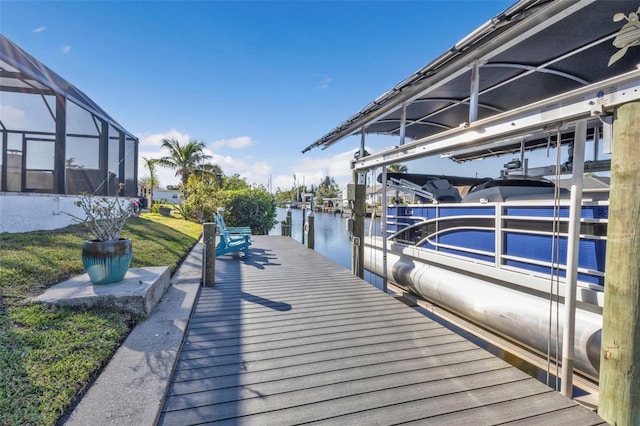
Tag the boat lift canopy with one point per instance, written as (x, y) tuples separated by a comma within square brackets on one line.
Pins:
[(532, 71), (539, 69)]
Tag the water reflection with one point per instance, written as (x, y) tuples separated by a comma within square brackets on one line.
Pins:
[(331, 236)]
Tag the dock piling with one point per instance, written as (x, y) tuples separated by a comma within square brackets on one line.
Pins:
[(304, 221), (309, 229), (620, 354), (209, 255)]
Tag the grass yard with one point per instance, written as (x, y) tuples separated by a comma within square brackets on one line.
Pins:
[(49, 355)]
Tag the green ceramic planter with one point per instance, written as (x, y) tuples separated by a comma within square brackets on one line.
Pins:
[(107, 262)]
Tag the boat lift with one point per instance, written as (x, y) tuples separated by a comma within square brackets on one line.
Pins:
[(410, 187)]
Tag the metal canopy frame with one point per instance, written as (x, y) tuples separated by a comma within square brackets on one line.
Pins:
[(36, 78), (535, 53), (529, 125), (69, 125)]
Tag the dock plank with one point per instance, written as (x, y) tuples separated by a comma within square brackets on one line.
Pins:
[(404, 348), (382, 363), (286, 336)]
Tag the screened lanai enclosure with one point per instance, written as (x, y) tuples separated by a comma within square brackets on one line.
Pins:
[(55, 139)]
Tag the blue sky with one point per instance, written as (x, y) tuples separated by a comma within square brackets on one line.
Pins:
[(255, 81)]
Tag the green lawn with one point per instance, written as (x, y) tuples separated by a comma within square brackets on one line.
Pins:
[(49, 355)]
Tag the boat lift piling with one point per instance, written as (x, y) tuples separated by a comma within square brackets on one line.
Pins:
[(358, 212), (620, 354)]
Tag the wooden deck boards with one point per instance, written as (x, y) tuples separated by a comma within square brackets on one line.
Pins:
[(289, 337)]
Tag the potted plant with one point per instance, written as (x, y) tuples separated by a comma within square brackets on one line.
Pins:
[(107, 257), (164, 210)]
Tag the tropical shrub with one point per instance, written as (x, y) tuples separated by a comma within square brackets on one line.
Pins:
[(251, 207), (201, 202), (105, 217)]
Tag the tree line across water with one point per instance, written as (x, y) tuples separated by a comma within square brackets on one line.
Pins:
[(205, 188)]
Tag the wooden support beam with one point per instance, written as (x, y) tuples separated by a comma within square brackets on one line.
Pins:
[(620, 356)]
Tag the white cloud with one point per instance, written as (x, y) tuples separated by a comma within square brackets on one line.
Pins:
[(235, 143), (324, 83), (65, 49), (155, 139), (261, 168), (13, 118), (227, 163), (337, 166), (312, 170), (256, 174), (39, 29)]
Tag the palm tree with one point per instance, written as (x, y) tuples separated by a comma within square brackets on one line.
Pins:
[(184, 159), (397, 168), (328, 188), (212, 174), (150, 164)]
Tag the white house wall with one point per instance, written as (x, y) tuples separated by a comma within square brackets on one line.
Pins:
[(167, 196), (25, 212)]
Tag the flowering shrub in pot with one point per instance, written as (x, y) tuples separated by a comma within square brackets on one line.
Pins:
[(107, 257)]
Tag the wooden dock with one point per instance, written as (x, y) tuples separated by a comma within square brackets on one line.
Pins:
[(289, 337)]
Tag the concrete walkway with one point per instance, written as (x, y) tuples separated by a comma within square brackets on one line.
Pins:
[(131, 389)]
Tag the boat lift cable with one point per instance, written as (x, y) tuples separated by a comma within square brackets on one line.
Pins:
[(383, 229), (356, 242), (555, 267)]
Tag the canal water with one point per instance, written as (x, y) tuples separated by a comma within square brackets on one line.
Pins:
[(331, 236), (332, 241)]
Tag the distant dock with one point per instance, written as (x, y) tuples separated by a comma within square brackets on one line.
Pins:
[(286, 336)]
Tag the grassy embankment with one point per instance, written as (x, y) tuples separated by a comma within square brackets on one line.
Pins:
[(49, 355)]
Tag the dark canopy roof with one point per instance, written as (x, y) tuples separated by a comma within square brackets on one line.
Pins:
[(533, 51), (21, 72)]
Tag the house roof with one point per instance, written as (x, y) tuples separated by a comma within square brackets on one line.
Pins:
[(533, 51)]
